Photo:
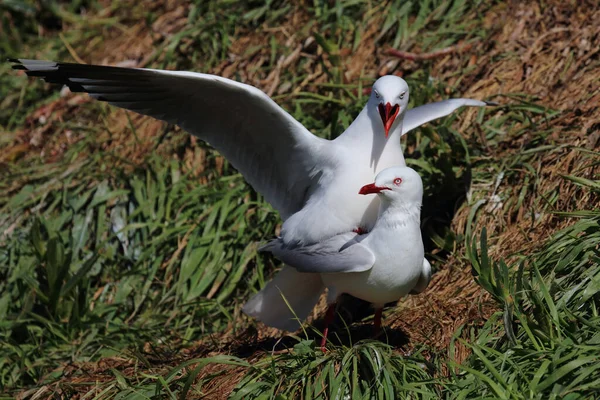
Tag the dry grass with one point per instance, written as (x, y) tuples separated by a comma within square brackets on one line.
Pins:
[(548, 52), (552, 56)]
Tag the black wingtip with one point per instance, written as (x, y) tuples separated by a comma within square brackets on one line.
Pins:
[(491, 103), (17, 64)]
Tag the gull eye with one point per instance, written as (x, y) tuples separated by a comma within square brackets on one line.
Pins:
[(402, 95), (376, 93), (397, 181)]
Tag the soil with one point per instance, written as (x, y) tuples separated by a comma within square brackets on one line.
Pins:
[(548, 50)]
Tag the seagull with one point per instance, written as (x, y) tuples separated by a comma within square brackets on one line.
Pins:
[(381, 266), (301, 175)]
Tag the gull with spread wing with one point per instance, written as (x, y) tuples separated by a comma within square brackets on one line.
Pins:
[(301, 175), (379, 267)]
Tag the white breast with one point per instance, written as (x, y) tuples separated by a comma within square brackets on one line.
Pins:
[(399, 259), (336, 207)]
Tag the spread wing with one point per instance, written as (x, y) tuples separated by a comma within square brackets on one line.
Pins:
[(273, 151), (417, 116), (341, 253)]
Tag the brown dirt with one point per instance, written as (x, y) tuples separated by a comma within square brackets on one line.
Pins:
[(550, 52), (529, 53)]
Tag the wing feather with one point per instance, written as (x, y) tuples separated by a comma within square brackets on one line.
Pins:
[(418, 116), (341, 253), (273, 151)]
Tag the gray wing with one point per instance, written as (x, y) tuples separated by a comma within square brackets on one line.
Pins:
[(341, 253), (273, 151), (417, 116)]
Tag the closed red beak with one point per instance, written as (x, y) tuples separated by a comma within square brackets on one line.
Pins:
[(388, 115), (371, 188)]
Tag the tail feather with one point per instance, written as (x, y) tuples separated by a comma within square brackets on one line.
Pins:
[(424, 279), (287, 300)]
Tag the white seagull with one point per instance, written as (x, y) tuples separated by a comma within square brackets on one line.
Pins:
[(301, 175), (379, 267)]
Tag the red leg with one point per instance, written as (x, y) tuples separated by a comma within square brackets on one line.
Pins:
[(329, 316), (377, 322)]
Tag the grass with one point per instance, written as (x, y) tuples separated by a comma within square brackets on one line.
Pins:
[(127, 248), (550, 320)]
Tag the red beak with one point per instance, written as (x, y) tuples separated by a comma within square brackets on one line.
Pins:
[(388, 115), (371, 188)]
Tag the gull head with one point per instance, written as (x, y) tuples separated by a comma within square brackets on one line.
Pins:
[(396, 184), (390, 96)]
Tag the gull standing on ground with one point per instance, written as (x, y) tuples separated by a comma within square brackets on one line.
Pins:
[(301, 175), (381, 266)]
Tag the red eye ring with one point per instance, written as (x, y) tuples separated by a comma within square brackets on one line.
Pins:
[(397, 181)]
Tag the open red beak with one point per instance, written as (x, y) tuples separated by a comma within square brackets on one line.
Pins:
[(371, 188), (388, 115)]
